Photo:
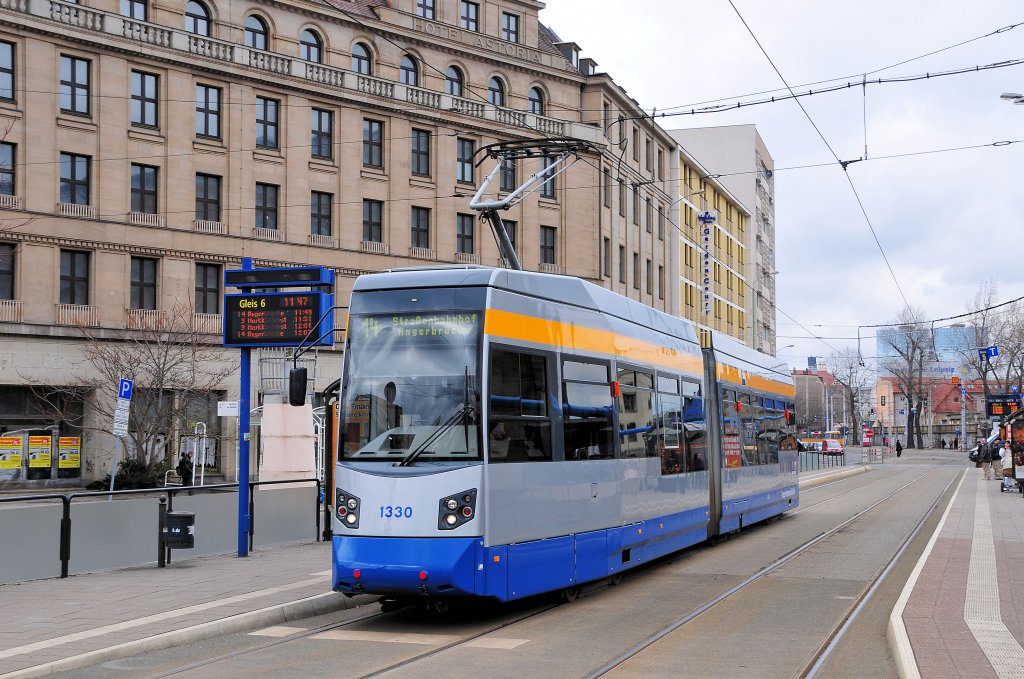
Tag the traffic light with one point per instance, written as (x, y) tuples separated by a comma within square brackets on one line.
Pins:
[(883, 400)]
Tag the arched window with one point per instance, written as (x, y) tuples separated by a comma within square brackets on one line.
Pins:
[(454, 83), (197, 18), (496, 92), (361, 60), (536, 101), (255, 33), (409, 71), (310, 46)]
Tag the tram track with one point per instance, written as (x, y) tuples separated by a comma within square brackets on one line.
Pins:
[(813, 665)]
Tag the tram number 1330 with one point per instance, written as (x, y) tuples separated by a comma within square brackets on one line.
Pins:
[(395, 512)]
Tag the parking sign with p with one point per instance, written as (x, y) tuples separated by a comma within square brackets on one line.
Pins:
[(124, 389)]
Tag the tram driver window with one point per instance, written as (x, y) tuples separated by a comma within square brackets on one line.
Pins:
[(518, 425), (587, 408)]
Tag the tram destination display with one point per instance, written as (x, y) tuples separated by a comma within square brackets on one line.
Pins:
[(272, 319)]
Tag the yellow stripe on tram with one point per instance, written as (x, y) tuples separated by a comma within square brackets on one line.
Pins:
[(729, 373), (508, 325)]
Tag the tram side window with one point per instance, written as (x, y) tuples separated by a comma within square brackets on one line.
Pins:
[(669, 441), (731, 444), (518, 424), (587, 411), (694, 427), (636, 404), (748, 431)]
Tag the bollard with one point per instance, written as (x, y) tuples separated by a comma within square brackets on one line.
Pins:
[(161, 558)]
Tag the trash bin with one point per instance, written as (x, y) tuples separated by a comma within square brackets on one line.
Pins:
[(180, 530)]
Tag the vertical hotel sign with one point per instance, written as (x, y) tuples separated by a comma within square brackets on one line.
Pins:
[(708, 218), (10, 452)]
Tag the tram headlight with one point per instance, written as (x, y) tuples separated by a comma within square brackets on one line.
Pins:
[(456, 509), (347, 508)]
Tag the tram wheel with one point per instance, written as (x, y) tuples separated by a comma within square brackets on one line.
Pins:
[(615, 579), (570, 594)]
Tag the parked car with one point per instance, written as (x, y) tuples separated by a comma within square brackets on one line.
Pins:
[(832, 447)]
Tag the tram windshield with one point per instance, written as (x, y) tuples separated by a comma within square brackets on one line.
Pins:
[(411, 388)]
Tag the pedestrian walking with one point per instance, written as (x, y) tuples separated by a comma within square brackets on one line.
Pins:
[(997, 460), (1006, 462), (985, 457), (186, 470), (942, 444), (899, 448)]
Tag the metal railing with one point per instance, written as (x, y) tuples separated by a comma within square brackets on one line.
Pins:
[(812, 460), (167, 492)]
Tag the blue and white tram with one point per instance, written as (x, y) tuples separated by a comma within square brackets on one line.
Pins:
[(506, 433)]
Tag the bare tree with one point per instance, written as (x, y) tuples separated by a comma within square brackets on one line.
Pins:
[(848, 369), (174, 366), (911, 341)]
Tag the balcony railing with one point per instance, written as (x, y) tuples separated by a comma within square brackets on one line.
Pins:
[(205, 226), (209, 324), (323, 241), (262, 233), (144, 319), (551, 268), (10, 202), (374, 246), (12, 310), (422, 253), (467, 258), (145, 219), (76, 210), (78, 314)]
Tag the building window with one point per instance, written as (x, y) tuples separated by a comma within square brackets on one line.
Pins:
[(310, 46), (320, 207), (649, 155), (6, 271), (207, 198), (464, 161), (143, 197), (622, 198), (6, 71), (425, 8), (464, 234), (256, 33), (547, 189), (266, 206), (420, 227), (510, 229), (7, 169), (606, 258), (507, 180), (636, 204), (143, 285), (509, 27), (547, 245), (373, 221), (197, 18), (454, 82), (650, 277), (661, 222), (362, 63), (207, 289), (133, 9), (622, 263), (650, 215), (145, 99), (408, 71), (74, 179), (74, 277), (208, 111), (420, 161), (266, 122), (636, 270), (536, 101), (373, 143), (636, 144), (661, 282), (469, 15), (496, 92), (321, 143), (74, 85), (607, 187)]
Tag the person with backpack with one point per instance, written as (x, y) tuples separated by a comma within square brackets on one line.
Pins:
[(985, 457), (186, 470)]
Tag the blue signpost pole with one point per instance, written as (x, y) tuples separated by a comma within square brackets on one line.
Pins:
[(243, 445)]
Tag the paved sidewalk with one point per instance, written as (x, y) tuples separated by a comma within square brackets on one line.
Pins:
[(962, 611), (54, 625)]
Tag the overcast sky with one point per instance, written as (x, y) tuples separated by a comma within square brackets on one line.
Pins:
[(946, 221)]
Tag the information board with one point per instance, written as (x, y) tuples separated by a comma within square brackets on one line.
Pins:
[(10, 452), (999, 405), (39, 451), (272, 319), (69, 452)]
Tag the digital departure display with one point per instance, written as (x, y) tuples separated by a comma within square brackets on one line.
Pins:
[(277, 319), (998, 405)]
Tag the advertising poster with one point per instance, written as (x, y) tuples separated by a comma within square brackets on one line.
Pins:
[(69, 452), (10, 452), (39, 451), (731, 447)]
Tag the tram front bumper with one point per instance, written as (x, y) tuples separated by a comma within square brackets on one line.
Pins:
[(404, 566)]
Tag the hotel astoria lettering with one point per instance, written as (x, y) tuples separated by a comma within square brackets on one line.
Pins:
[(474, 39)]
